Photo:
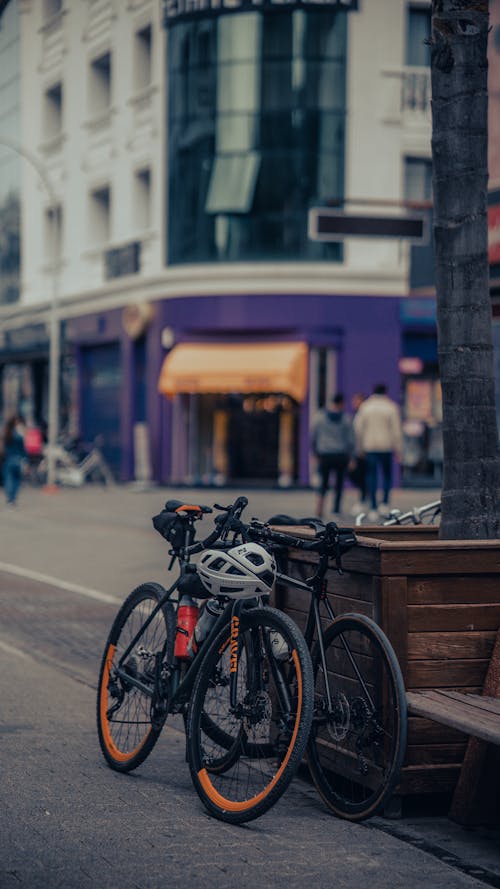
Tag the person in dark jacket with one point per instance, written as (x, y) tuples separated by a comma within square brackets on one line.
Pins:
[(333, 445), (13, 457)]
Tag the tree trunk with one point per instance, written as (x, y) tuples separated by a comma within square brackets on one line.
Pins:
[(459, 69)]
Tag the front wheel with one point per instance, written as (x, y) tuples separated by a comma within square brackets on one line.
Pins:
[(129, 720), (358, 738), (242, 769)]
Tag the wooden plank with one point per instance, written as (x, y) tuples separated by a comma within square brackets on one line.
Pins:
[(446, 674), (423, 732), (475, 787), (438, 646), (394, 616), (435, 754), (448, 590), (432, 618), (429, 779), (482, 703), (460, 713)]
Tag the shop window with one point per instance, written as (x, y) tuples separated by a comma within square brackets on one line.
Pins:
[(143, 45), (53, 111), (142, 199), (100, 215), (100, 83), (54, 234)]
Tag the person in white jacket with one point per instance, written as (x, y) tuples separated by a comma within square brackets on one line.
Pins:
[(377, 427)]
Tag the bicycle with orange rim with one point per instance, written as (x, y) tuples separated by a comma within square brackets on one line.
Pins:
[(246, 694)]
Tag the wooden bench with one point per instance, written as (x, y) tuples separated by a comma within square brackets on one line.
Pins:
[(475, 799)]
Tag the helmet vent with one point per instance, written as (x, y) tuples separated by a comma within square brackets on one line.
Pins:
[(267, 578), (234, 570), (232, 589), (255, 559), (217, 564)]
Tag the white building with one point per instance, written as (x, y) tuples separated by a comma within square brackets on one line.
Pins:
[(166, 179)]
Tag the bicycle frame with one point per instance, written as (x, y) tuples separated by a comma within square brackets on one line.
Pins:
[(316, 587)]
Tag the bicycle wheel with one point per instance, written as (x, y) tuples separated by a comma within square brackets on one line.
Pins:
[(356, 751), (241, 770), (128, 725)]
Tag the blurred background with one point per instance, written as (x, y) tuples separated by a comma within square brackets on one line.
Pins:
[(211, 219)]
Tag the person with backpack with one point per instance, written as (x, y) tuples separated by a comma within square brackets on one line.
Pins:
[(333, 445)]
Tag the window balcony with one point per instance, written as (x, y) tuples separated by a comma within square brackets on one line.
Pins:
[(406, 94)]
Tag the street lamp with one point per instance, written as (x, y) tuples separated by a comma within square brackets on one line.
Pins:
[(54, 328)]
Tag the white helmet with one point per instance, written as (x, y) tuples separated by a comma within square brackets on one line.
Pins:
[(242, 572)]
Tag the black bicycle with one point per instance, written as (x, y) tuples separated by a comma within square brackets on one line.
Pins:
[(358, 737), (246, 694)]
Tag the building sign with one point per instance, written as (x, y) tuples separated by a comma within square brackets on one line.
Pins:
[(494, 234), (30, 338), (180, 10), (334, 225), (125, 260)]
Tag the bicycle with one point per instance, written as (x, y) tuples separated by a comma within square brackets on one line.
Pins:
[(358, 736), (426, 514), (73, 467), (245, 694)]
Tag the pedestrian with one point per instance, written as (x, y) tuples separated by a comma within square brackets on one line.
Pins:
[(13, 457), (357, 474), (333, 446), (377, 427)]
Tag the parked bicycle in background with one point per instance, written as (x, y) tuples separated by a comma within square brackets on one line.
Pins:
[(428, 514)]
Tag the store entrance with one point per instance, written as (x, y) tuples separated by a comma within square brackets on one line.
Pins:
[(253, 442)]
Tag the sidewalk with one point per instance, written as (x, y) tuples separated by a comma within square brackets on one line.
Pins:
[(101, 541), (103, 538)]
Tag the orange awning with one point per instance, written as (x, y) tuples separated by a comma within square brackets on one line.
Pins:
[(242, 367)]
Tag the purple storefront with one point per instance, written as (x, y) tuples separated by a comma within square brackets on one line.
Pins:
[(249, 435), (263, 436)]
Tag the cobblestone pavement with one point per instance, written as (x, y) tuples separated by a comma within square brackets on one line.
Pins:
[(68, 821)]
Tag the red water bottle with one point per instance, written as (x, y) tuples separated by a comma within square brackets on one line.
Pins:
[(187, 616)]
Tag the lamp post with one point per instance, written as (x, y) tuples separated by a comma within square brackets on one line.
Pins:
[(54, 327)]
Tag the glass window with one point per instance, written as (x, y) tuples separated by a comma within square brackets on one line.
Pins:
[(53, 111), (232, 184), (100, 84), (54, 234), (256, 123), (142, 199), (418, 179), (142, 58), (100, 215), (418, 33)]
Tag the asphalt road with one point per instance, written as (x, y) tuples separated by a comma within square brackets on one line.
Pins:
[(67, 821)]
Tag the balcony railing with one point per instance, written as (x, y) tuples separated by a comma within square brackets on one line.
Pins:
[(407, 95)]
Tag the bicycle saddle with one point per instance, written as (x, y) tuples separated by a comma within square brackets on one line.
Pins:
[(310, 521), (178, 505)]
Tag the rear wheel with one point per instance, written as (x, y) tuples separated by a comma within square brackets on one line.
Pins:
[(129, 720), (357, 745), (241, 770)]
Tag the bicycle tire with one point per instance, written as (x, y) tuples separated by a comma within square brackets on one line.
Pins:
[(126, 729), (239, 785), (355, 753)]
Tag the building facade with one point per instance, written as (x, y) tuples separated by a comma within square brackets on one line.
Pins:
[(201, 326)]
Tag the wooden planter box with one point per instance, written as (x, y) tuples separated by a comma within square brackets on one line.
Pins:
[(439, 604)]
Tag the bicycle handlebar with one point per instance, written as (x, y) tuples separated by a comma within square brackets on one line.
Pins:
[(224, 525)]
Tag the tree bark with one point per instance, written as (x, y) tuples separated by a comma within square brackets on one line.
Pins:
[(459, 69)]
